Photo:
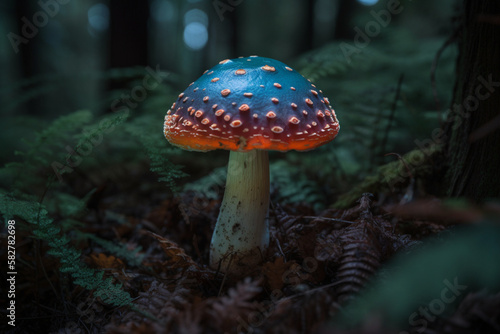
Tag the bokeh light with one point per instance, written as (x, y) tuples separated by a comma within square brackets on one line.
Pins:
[(195, 35), (368, 2), (98, 17), (162, 10), (196, 15), (195, 29)]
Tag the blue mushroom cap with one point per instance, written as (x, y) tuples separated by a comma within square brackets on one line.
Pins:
[(251, 103)]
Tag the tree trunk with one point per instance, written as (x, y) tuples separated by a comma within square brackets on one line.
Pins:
[(473, 124), (128, 33), (343, 25)]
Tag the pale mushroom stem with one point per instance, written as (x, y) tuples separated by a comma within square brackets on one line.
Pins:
[(241, 235)]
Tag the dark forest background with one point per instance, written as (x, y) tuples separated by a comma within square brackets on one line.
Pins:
[(113, 224)]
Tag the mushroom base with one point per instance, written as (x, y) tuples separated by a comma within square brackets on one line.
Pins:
[(241, 235)]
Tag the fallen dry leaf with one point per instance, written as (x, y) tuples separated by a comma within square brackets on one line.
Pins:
[(106, 262), (274, 272), (178, 258)]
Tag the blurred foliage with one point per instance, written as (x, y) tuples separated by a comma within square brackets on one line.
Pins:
[(290, 185), (210, 186), (363, 93), (62, 164), (394, 176), (462, 261)]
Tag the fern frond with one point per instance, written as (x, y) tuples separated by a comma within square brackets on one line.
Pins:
[(159, 154), (133, 257), (47, 147), (293, 186), (210, 186), (69, 257)]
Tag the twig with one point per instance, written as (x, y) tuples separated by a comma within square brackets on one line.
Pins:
[(279, 248), (489, 18), (485, 129), (332, 219), (225, 274), (393, 111), (435, 63), (408, 197), (315, 289)]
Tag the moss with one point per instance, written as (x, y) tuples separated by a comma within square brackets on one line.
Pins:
[(394, 175)]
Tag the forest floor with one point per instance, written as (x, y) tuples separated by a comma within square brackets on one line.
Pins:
[(318, 264)]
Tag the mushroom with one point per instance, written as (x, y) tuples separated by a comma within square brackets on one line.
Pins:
[(248, 106)]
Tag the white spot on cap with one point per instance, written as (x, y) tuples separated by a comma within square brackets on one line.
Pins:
[(271, 114), (235, 123), (268, 68), (277, 129), (244, 107)]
